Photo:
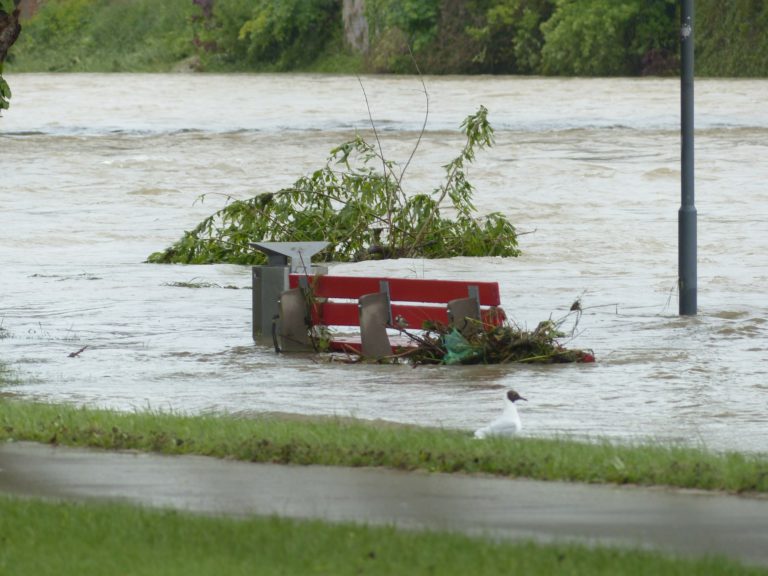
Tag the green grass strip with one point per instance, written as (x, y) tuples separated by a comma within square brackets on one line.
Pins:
[(347, 442), (62, 539)]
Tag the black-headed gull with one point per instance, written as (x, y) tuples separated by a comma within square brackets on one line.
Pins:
[(508, 424)]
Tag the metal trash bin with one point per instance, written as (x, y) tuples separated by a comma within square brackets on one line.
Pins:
[(271, 280)]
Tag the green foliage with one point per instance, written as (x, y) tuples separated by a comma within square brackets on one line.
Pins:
[(416, 18), (732, 41), (53, 35), (274, 35), (8, 6), (655, 47), (363, 212), (397, 28), (589, 37), (511, 38), (5, 91), (224, 34), (566, 37), (289, 33), (439, 33), (455, 49), (603, 37), (106, 36), (8, 31)]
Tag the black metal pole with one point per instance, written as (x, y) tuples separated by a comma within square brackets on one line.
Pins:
[(686, 216)]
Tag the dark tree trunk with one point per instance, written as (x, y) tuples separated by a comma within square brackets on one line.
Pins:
[(9, 29)]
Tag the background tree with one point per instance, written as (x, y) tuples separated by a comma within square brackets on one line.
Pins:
[(9, 32), (554, 37)]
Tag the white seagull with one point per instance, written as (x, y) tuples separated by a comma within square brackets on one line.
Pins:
[(508, 424)]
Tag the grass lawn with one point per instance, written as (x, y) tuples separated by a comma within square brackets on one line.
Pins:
[(41, 538)]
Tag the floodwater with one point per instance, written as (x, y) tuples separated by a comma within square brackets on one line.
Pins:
[(98, 171)]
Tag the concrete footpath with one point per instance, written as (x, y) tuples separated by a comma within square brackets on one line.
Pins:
[(689, 523)]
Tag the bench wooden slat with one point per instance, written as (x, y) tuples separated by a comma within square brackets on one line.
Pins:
[(350, 344), (346, 314), (400, 289)]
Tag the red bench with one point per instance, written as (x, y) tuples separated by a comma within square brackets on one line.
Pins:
[(377, 304)]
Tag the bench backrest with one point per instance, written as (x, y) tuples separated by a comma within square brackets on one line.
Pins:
[(400, 289), (413, 301)]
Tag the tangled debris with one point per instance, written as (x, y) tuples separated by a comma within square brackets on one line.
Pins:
[(482, 343), (487, 344)]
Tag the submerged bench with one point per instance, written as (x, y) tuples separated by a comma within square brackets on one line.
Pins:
[(377, 304)]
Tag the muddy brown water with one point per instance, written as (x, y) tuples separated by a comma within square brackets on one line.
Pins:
[(101, 170)]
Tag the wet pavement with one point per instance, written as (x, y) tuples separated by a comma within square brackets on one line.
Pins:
[(684, 522)]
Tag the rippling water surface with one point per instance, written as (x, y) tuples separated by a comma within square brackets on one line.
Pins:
[(101, 170)]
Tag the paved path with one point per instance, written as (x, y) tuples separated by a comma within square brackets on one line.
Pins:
[(682, 522)]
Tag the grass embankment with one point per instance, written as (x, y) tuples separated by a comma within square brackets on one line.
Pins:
[(346, 442), (65, 539)]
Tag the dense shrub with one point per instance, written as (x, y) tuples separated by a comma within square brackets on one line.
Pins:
[(732, 41), (584, 37), (605, 37), (454, 49), (290, 33), (274, 35), (510, 36), (104, 36), (396, 28)]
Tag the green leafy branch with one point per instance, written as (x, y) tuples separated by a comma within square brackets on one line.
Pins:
[(5, 91), (357, 204)]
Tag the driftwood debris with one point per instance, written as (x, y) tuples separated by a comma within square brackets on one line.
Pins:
[(76, 354)]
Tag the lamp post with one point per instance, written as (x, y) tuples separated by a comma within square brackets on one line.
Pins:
[(686, 216)]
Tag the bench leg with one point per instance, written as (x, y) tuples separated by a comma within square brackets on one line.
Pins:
[(374, 317), (462, 312), (292, 329)]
